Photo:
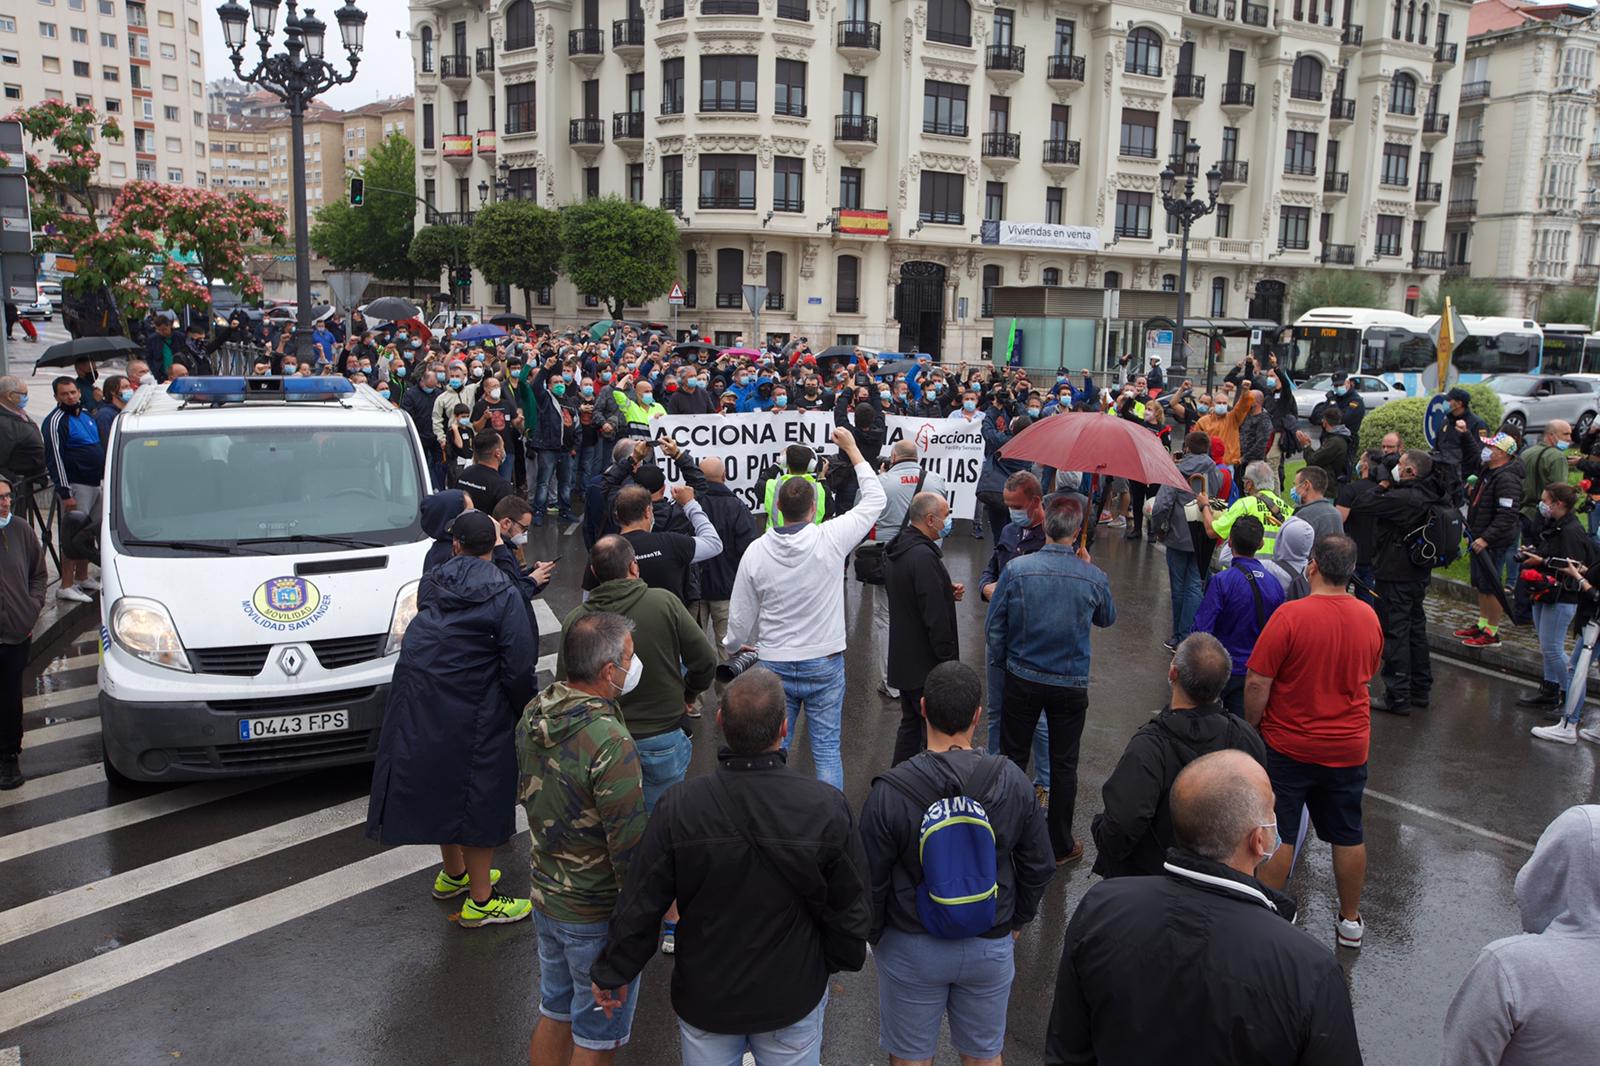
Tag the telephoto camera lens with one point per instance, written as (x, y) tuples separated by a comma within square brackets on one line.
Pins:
[(736, 666)]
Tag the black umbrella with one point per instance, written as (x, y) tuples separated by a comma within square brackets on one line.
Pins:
[(696, 346), (391, 308), (899, 366), (68, 352), (509, 321), (838, 351)]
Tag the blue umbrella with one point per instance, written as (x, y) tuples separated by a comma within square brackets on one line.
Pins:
[(481, 332)]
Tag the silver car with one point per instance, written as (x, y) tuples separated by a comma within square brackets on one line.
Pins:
[(1374, 392), (1533, 401)]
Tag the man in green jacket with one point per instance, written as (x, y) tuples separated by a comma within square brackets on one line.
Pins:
[(584, 796)]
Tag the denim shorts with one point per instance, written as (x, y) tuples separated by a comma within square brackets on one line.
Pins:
[(922, 979), (567, 951), (663, 762), (1331, 793)]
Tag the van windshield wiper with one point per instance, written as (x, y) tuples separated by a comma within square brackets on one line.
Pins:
[(187, 545), (312, 538)]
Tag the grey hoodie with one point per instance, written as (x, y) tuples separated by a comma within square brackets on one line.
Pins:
[(1524, 1002), (1177, 529)]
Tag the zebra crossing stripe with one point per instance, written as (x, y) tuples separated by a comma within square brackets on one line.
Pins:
[(60, 698), (68, 830), (75, 662), (53, 784), (50, 734), (546, 617)]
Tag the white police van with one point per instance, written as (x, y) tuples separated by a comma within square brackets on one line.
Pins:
[(260, 550)]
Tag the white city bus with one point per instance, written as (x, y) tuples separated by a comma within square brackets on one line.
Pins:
[(1399, 348)]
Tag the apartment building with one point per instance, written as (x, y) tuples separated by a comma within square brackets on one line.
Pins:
[(1524, 206), (882, 166), (240, 156), (142, 62), (323, 136), (367, 126)]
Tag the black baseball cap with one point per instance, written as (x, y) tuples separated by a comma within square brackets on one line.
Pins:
[(474, 531)]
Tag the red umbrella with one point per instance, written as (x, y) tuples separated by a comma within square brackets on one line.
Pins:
[(1097, 444), (416, 328)]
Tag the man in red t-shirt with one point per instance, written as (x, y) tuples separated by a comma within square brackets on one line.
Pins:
[(1306, 691)]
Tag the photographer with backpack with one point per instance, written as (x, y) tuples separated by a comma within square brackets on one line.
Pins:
[(958, 857), (1561, 540)]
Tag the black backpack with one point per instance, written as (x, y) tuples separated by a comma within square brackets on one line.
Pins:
[(1437, 541)]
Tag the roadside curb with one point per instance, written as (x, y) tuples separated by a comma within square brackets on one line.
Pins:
[(60, 623)]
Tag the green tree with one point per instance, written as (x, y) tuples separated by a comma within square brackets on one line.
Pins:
[(434, 248), (375, 237), (625, 254), (1570, 304), (517, 243), (1468, 296), (1334, 288)]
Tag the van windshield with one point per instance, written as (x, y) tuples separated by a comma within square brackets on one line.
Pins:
[(278, 488)]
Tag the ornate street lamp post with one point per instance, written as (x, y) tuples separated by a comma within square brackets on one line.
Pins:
[(296, 75), (1188, 209)]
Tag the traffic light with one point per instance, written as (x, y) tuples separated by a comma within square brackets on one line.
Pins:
[(358, 192)]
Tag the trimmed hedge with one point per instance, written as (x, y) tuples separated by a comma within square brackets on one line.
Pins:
[(1405, 418)]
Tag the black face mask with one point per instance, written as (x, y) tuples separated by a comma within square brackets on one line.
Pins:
[(72, 408)]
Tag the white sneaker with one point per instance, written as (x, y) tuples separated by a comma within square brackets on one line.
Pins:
[(76, 595), (1348, 933), (885, 690), (1591, 735), (1561, 733), (88, 584)]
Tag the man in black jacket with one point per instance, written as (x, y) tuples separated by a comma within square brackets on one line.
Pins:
[(921, 976), (922, 612), (1492, 529), (730, 517), (1402, 585), (767, 869), (417, 402), (1241, 985), (1132, 835)]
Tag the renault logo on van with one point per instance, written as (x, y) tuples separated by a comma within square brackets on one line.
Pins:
[(290, 660)]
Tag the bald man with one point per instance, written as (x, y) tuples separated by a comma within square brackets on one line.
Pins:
[(904, 478), (1272, 994), (730, 517)]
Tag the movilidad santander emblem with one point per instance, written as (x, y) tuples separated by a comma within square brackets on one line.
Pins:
[(286, 601)]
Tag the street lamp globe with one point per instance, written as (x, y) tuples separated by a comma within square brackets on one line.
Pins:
[(234, 19), (1191, 156), (352, 26), (483, 192), (1167, 179), (264, 16), (312, 29), (1214, 181)]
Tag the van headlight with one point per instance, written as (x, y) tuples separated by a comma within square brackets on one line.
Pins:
[(405, 609), (144, 629)]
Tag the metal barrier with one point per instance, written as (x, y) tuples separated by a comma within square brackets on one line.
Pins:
[(237, 360), (27, 493)]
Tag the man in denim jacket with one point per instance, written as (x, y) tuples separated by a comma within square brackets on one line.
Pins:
[(1038, 625)]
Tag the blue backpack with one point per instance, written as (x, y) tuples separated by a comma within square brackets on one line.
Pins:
[(956, 847)]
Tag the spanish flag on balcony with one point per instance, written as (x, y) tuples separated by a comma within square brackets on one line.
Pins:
[(864, 223)]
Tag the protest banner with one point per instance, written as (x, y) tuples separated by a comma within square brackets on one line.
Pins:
[(951, 449)]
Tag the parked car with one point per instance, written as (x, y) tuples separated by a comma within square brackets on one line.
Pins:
[(1532, 401), (1375, 392)]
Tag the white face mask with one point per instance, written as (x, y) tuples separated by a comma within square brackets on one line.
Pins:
[(520, 539), (494, 394), (634, 673)]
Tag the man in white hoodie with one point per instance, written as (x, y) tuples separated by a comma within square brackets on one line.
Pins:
[(1523, 1003), (788, 602)]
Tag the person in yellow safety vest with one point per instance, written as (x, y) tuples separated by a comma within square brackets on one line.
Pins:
[(799, 459), (638, 409), (1260, 501)]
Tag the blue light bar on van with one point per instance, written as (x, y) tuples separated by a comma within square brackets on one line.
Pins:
[(239, 389)]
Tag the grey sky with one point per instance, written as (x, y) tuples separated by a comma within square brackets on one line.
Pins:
[(385, 64)]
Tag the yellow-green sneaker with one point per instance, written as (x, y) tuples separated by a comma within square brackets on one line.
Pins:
[(447, 887), (498, 909)]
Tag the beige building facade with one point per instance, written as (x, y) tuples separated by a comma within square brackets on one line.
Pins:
[(846, 154)]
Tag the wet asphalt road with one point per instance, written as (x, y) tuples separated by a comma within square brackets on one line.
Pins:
[(261, 926)]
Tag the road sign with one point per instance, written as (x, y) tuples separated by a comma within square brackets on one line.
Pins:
[(675, 297), (1255, 338), (961, 308), (1433, 419), (1112, 301), (346, 287), (755, 298)]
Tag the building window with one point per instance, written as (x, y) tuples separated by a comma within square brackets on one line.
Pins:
[(790, 89), (728, 83), (461, 117), (110, 74), (430, 191), (1294, 228), (672, 86), (950, 21), (850, 188), (1113, 280), (1219, 297), (1052, 206), (994, 201), (788, 189), (591, 183), (1224, 220), (1389, 231), (941, 197), (847, 288), (944, 108), (80, 69), (519, 26), (427, 126), (522, 113), (1065, 30), (1403, 95), (730, 277), (1300, 153), (1138, 133), (1305, 82), (1396, 165), (991, 281), (47, 30), (1133, 213), (636, 183), (170, 114), (728, 182), (1144, 52), (522, 183), (1169, 283), (1050, 277), (672, 182)]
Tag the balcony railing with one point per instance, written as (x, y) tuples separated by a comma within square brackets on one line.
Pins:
[(586, 131), (943, 218), (485, 60), (1462, 208), (1469, 149), (775, 299), (730, 7), (1429, 192), (1003, 145), (1151, 69), (1065, 68), (519, 43), (948, 37), (1336, 181), (456, 146), (1427, 261), (672, 202), (1209, 8), (627, 33), (1189, 86), (865, 36), (672, 106), (586, 42), (1238, 94), (945, 129), (455, 67), (793, 206), (727, 202), (1352, 35), (1294, 242), (1300, 170), (1594, 153), (1004, 57), (1254, 14), (726, 300), (1342, 109), (793, 108), (847, 305), (627, 126), (1305, 92), (521, 118), (1475, 90), (1446, 52), (856, 128), (1234, 171), (453, 218), (1338, 254), (1436, 123), (1134, 230), (1062, 153), (733, 104), (1402, 107)]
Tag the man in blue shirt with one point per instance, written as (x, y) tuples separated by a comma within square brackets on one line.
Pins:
[(1237, 604), (76, 459)]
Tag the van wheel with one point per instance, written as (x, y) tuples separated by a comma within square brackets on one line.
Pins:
[(1517, 421), (1585, 420), (115, 777)]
